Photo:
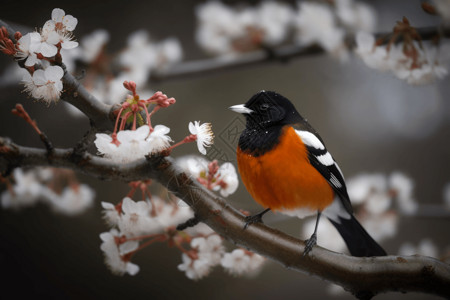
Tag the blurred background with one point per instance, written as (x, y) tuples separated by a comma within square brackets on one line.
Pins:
[(371, 121)]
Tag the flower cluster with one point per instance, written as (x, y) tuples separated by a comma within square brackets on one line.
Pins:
[(411, 60), (375, 199), (43, 49), (207, 252), (136, 225), (125, 146), (47, 186), (225, 30), (210, 175)]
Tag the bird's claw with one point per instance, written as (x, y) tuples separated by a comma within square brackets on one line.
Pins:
[(249, 220), (309, 244)]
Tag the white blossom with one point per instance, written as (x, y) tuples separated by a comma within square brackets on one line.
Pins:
[(113, 258), (45, 84), (427, 67), (26, 190), (216, 26), (158, 139), (46, 44), (134, 144), (209, 251), (24, 51), (140, 218), (356, 15), (194, 268), (380, 226), (374, 57), (360, 187), (62, 38), (403, 188), (316, 23), (73, 201), (92, 44), (171, 214), (139, 50), (135, 219), (110, 213), (61, 22), (224, 30), (200, 229), (193, 165), (204, 135), (274, 19), (228, 176), (169, 51), (240, 262), (209, 248)]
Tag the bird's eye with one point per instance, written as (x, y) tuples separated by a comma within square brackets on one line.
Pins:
[(264, 106)]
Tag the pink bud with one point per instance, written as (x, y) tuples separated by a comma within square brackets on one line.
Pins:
[(17, 35), (131, 86)]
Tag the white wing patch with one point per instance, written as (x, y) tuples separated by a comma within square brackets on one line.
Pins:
[(325, 159), (310, 139)]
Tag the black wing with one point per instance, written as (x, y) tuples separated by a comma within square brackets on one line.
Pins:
[(322, 160)]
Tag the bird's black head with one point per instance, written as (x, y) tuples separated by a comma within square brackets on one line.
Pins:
[(266, 113), (268, 109)]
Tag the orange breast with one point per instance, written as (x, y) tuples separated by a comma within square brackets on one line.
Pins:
[(283, 178)]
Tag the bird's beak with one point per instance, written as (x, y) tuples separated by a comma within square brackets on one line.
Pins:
[(240, 108)]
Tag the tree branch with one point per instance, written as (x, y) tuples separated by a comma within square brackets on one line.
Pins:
[(279, 54), (364, 277), (100, 114)]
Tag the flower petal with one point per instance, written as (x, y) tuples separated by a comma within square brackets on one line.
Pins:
[(54, 73), (69, 44), (70, 22), (58, 15)]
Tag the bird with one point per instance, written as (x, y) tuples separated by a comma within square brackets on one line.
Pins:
[(286, 168)]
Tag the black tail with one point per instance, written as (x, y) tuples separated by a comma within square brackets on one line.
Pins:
[(358, 241)]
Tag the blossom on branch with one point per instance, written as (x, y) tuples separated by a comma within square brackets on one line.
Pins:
[(45, 85), (118, 262), (207, 253), (224, 30), (242, 262), (73, 200), (316, 23), (133, 144), (411, 60), (44, 185), (223, 179), (203, 133), (24, 51)]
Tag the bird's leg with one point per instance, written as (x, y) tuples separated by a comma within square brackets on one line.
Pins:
[(311, 242), (255, 218)]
